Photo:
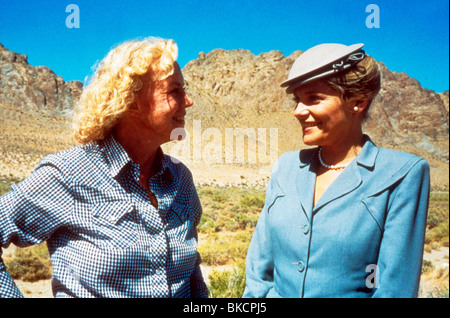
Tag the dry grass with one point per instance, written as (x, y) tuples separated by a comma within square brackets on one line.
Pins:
[(434, 281)]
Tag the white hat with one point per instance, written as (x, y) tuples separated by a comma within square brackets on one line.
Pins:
[(321, 61)]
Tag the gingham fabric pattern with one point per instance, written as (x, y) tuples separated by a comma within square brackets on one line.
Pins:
[(104, 237)]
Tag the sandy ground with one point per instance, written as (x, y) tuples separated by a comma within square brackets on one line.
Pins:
[(439, 257), (230, 175)]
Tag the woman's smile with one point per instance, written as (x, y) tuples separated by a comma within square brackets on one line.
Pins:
[(309, 126)]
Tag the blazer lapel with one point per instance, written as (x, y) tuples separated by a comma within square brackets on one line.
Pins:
[(305, 181), (346, 182)]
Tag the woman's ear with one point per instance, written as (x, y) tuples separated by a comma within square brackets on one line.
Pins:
[(359, 105), (133, 110)]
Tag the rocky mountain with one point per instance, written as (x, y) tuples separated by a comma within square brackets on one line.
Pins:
[(34, 89)]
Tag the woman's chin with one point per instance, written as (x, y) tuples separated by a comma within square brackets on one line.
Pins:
[(310, 141)]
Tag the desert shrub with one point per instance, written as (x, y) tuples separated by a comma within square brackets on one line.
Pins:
[(224, 250), (229, 208), (242, 221), (427, 266), (439, 196), (253, 200), (227, 284), (437, 222), (440, 233), (205, 191), (30, 264), (219, 197), (4, 187), (207, 225), (434, 219), (434, 282)]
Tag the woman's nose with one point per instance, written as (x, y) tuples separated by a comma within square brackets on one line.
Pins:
[(188, 102), (301, 110)]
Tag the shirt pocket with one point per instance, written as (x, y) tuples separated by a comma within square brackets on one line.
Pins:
[(180, 212), (179, 220), (115, 224)]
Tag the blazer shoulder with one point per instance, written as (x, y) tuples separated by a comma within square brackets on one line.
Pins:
[(297, 157), (392, 166), (398, 160), (285, 162)]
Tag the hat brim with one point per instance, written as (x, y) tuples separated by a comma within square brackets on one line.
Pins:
[(324, 71)]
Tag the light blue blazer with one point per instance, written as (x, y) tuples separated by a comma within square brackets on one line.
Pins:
[(363, 238)]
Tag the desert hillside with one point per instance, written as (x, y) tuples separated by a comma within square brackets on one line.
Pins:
[(236, 95)]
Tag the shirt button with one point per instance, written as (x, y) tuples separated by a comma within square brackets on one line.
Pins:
[(300, 266), (158, 271)]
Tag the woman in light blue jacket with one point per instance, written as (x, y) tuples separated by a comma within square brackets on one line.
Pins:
[(344, 219)]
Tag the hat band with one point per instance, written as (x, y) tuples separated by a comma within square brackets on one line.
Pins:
[(351, 60), (328, 70)]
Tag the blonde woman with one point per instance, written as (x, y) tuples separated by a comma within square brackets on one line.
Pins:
[(343, 218), (119, 217)]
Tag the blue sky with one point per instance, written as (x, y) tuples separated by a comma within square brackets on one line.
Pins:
[(413, 36)]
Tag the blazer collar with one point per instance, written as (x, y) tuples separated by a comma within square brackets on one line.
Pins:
[(306, 157), (368, 154), (366, 157)]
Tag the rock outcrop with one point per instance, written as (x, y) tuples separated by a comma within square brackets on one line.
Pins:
[(34, 89)]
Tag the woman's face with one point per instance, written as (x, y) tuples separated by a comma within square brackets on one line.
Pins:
[(324, 116), (163, 107)]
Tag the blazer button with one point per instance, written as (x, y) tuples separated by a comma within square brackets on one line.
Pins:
[(301, 266), (305, 229)]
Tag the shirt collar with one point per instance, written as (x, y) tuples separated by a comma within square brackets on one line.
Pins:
[(118, 158), (162, 165)]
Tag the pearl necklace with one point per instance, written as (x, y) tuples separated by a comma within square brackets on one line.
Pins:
[(332, 167)]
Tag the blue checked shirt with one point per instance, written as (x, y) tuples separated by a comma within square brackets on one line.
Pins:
[(104, 237)]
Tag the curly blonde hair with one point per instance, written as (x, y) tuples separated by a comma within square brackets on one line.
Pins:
[(117, 79)]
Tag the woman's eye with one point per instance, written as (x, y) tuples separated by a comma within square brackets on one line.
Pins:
[(174, 92), (310, 100), (313, 99)]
